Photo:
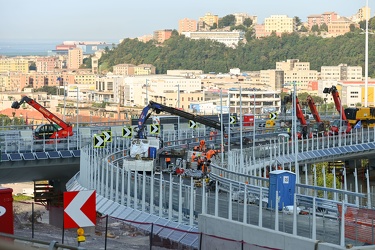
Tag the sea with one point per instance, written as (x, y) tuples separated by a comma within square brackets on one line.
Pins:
[(27, 47), (33, 47)]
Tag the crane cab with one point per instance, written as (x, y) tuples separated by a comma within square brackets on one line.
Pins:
[(46, 131)]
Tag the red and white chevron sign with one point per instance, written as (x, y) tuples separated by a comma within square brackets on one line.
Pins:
[(79, 209)]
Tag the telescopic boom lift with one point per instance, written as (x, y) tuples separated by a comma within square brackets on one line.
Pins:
[(59, 129), (336, 126), (157, 107)]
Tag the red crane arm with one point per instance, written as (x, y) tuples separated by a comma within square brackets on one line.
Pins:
[(313, 108)]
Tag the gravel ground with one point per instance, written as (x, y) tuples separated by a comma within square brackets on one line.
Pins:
[(120, 236)]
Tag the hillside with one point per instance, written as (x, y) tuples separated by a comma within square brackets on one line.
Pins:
[(258, 54)]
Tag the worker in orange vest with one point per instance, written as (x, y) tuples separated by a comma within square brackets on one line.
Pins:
[(193, 157), (202, 145), (167, 160), (210, 153)]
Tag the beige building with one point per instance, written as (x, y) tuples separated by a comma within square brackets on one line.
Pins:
[(75, 58), (207, 21), (363, 14), (299, 72), (279, 24), (272, 78), (14, 64), (340, 26), (131, 69), (187, 25), (342, 72), (229, 38), (240, 18)]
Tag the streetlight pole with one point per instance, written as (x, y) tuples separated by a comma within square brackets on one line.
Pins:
[(178, 107), (64, 100), (294, 134), (366, 55), (77, 107), (146, 91)]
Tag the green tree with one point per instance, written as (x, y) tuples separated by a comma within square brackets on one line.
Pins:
[(248, 22), (371, 23), (51, 90), (303, 29), (250, 34), (352, 27), (297, 21), (323, 27), (228, 20), (175, 32), (213, 27), (328, 178), (315, 28), (238, 27)]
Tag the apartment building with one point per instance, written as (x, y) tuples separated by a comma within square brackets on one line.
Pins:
[(75, 58), (362, 14), (187, 25), (145, 38), (207, 21), (340, 26), (244, 99), (293, 71), (326, 17), (342, 72), (272, 78), (131, 69), (161, 35), (229, 38), (14, 64), (48, 64), (240, 18), (279, 24)]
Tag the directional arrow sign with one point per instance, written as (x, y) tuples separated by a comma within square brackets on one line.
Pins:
[(127, 132), (233, 120), (107, 136), (99, 141), (273, 116), (155, 129), (192, 124), (79, 209)]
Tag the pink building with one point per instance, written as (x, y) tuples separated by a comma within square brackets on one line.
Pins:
[(187, 25), (46, 64), (161, 35), (326, 17), (260, 31)]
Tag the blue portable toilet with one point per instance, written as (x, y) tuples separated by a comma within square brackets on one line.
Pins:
[(284, 183)]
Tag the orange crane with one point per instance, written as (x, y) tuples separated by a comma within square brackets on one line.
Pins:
[(302, 130), (319, 128), (59, 129), (336, 127)]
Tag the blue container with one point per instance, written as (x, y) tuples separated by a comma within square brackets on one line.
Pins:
[(152, 152), (284, 183)]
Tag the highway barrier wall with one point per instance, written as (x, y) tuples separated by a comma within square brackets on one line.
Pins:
[(218, 232)]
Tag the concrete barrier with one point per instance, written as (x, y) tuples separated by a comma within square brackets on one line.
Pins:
[(232, 233)]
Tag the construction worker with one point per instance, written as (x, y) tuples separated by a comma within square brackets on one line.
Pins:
[(167, 160), (200, 163), (202, 146), (210, 153), (211, 135), (193, 157)]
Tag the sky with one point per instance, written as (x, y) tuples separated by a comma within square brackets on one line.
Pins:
[(112, 20)]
